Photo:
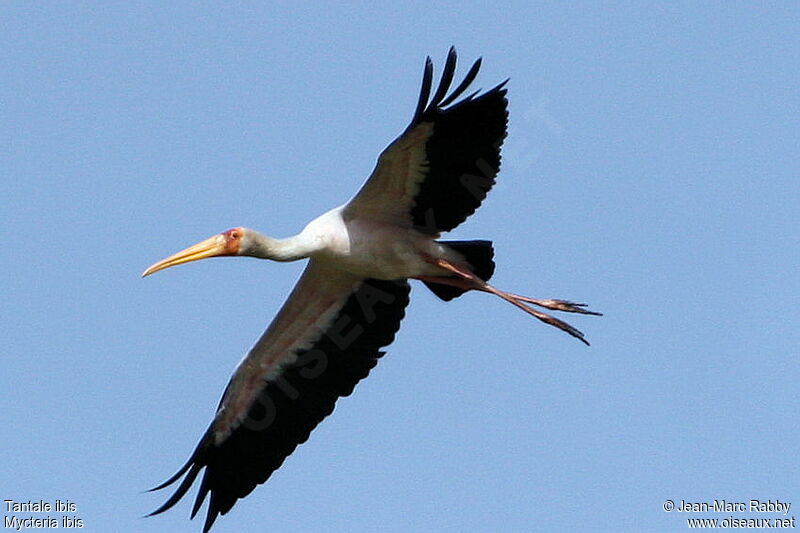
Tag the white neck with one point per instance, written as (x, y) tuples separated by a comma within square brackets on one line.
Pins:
[(289, 249)]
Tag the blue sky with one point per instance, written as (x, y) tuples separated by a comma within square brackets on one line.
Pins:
[(651, 170)]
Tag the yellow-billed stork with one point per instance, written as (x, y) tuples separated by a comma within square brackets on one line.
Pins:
[(352, 295)]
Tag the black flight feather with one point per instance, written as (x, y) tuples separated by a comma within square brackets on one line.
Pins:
[(291, 405), (463, 152)]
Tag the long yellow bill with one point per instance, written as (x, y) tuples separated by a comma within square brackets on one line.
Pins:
[(211, 247)]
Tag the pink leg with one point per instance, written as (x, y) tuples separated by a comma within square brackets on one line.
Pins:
[(468, 281)]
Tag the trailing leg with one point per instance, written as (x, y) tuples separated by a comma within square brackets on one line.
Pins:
[(465, 280)]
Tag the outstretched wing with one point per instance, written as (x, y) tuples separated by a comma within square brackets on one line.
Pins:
[(439, 170), (326, 338)]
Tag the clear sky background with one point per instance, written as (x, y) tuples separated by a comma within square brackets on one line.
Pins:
[(651, 170)]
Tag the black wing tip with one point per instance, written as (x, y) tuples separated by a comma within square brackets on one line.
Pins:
[(500, 87), (425, 90), (180, 492), (428, 105), (161, 509), (201, 496), (175, 477), (193, 461), (190, 469), (211, 515), (428, 67), (447, 78)]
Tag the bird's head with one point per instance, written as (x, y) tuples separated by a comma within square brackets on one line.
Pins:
[(235, 241)]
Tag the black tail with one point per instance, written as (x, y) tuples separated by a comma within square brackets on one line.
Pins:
[(478, 254)]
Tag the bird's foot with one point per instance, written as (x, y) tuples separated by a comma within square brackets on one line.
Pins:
[(557, 305)]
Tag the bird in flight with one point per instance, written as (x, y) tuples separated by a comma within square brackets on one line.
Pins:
[(350, 299)]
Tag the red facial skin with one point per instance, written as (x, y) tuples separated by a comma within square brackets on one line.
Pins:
[(233, 240)]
